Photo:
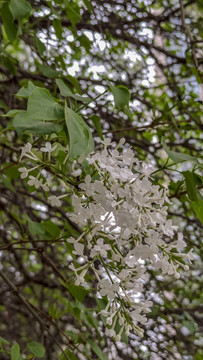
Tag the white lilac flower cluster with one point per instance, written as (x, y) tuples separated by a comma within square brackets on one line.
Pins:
[(124, 218)]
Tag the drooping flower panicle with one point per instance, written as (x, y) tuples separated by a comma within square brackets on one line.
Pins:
[(124, 216)]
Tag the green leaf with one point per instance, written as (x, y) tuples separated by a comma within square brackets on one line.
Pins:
[(7, 183), (85, 42), (54, 312), (26, 91), (88, 5), (39, 45), (190, 185), (42, 106), (36, 348), (3, 341), (15, 352), (3, 105), (121, 96), (36, 228), (78, 292), (73, 12), (71, 356), (198, 356), (190, 325), (19, 8), (52, 228), (17, 219), (22, 122), (47, 71), (75, 83), (12, 113), (9, 26), (66, 92), (81, 142), (197, 206), (175, 156), (58, 28), (96, 121), (97, 350), (193, 193)]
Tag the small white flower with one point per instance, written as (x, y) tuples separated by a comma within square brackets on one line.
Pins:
[(54, 200), (24, 172), (79, 249), (106, 142), (100, 248), (48, 148), (87, 185), (106, 288), (45, 187), (26, 151), (80, 279), (34, 182)]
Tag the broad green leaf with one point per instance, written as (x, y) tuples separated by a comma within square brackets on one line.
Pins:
[(36, 348), (73, 12), (36, 228), (198, 179), (64, 89), (198, 208), (47, 71), (39, 45), (23, 122), (58, 28), (9, 26), (75, 83), (175, 156), (190, 185), (78, 292), (70, 355), (52, 228), (85, 42), (88, 5), (26, 91), (190, 325), (96, 121), (81, 142), (19, 8), (15, 352), (7, 183), (97, 350), (12, 113), (12, 172), (66, 92), (3, 341), (121, 96), (42, 106), (193, 193)]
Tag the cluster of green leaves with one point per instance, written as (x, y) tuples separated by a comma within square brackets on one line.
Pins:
[(33, 349)]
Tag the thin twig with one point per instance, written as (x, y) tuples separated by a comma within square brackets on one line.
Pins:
[(31, 310)]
